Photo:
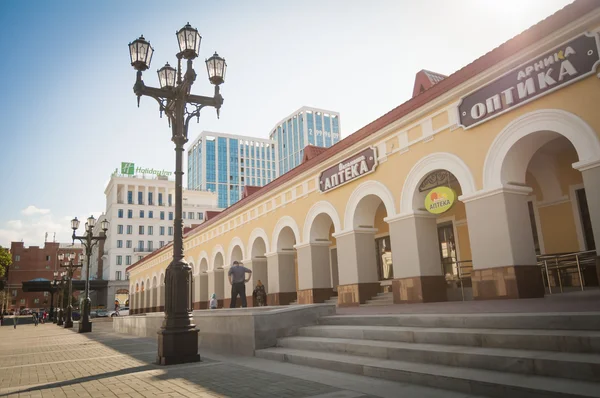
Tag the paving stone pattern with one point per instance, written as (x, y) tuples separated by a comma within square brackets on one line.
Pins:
[(48, 361)]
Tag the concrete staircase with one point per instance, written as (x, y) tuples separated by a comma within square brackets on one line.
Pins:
[(332, 300), (381, 299), (496, 355)]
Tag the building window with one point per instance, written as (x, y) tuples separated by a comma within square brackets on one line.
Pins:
[(162, 230), (150, 214), (141, 245), (141, 230), (200, 216), (150, 230), (119, 260), (162, 215), (22, 301), (45, 294), (160, 202), (170, 231), (120, 213), (161, 243), (171, 215), (129, 213), (191, 215), (127, 260), (119, 229), (36, 301), (129, 229), (140, 198), (150, 198), (183, 213), (17, 257), (47, 258), (14, 293), (141, 213), (118, 275), (119, 244), (128, 244), (130, 197), (170, 200), (150, 244), (140, 257), (47, 267)]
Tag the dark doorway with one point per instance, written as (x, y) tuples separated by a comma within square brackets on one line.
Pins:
[(586, 222)]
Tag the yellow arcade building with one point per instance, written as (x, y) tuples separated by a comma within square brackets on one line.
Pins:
[(457, 191)]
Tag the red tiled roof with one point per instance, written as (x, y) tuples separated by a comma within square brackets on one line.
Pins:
[(311, 151), (250, 190), (210, 214), (537, 32)]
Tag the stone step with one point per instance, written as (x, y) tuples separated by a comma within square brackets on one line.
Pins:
[(577, 341), (471, 381), (584, 367), (552, 321), (375, 303)]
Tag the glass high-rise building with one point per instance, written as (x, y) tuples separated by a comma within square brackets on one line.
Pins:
[(306, 126), (225, 163)]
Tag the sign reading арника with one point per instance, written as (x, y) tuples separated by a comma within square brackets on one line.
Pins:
[(350, 169), (555, 69)]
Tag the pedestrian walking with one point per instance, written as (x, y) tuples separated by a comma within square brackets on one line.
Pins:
[(260, 294), (15, 320), (213, 302), (35, 318), (237, 280)]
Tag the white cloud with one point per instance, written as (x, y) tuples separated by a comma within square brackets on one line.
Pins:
[(32, 230), (32, 210)]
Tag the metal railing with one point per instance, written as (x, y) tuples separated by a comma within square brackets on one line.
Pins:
[(563, 264), (465, 269)]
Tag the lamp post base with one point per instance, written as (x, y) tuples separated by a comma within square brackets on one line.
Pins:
[(85, 327), (68, 324), (177, 346)]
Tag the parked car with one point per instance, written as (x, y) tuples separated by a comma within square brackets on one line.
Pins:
[(101, 313), (124, 311), (76, 315), (93, 314)]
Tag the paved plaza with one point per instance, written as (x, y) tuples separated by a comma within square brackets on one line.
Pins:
[(49, 361)]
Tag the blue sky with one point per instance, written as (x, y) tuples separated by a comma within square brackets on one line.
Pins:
[(69, 116)]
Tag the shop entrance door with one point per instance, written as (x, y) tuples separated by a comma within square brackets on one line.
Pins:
[(447, 250)]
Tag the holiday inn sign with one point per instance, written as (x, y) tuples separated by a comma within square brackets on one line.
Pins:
[(128, 168)]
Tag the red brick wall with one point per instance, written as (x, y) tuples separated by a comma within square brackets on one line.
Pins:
[(31, 263)]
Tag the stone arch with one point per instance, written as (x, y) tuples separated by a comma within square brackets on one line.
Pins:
[(203, 261), (435, 161), (505, 164), (154, 294), (217, 250), (367, 196), (285, 221), (319, 208), (232, 253), (255, 234)]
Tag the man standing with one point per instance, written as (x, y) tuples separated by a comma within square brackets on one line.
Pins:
[(237, 279)]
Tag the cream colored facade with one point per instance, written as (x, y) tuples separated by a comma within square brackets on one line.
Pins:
[(305, 245)]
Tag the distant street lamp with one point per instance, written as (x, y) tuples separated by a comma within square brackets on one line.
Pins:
[(61, 282), (71, 268), (178, 337), (89, 241)]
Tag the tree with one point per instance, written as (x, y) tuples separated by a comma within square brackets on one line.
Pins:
[(5, 261)]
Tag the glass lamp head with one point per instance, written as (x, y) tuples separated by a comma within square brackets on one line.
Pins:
[(189, 41), (166, 76), (75, 223), (140, 53), (216, 67), (91, 222)]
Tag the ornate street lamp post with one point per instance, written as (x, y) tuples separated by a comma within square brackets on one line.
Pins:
[(178, 336), (61, 282), (71, 268), (89, 241)]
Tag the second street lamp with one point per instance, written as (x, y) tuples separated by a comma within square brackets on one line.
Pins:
[(89, 241), (178, 336), (71, 268)]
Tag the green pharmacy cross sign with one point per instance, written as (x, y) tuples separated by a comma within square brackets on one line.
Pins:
[(127, 168)]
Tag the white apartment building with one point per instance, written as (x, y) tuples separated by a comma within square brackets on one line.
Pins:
[(141, 210)]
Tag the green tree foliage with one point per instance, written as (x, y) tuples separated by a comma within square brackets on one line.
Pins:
[(5, 261)]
